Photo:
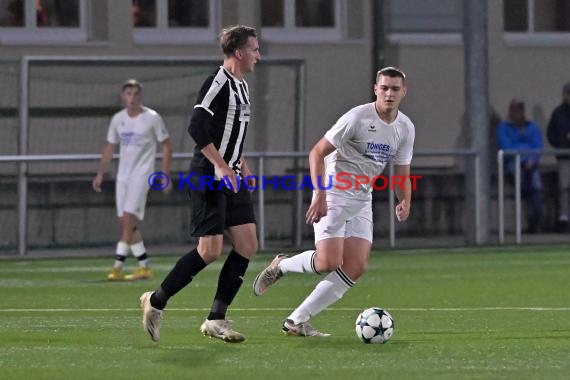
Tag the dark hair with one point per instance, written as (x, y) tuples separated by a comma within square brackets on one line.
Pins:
[(234, 37), (516, 103), (392, 72), (131, 83)]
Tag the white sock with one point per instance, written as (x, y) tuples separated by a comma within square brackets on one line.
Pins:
[(328, 291), (300, 263), (139, 251), (121, 254)]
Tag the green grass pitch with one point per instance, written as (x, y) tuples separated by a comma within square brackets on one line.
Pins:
[(463, 313)]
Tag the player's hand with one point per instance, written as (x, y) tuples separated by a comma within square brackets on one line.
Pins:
[(227, 174), (317, 209), (168, 188), (250, 181), (402, 210), (249, 178), (529, 165), (96, 184)]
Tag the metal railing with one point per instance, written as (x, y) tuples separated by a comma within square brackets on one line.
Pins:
[(517, 181), (261, 157)]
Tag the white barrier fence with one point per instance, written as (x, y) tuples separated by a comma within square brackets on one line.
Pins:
[(501, 154)]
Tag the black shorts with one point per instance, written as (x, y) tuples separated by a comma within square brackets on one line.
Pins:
[(214, 210)]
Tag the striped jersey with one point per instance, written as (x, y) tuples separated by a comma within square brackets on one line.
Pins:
[(221, 116)]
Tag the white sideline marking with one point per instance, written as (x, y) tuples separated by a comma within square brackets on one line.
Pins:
[(421, 309)]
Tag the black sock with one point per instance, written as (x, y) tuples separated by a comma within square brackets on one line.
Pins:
[(181, 275), (229, 282), (158, 299)]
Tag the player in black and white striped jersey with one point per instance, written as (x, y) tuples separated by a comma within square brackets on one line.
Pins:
[(223, 107), (218, 126)]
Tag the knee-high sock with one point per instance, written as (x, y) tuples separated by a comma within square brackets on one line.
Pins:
[(139, 251), (328, 291), (229, 283), (181, 275), (304, 262), (121, 255)]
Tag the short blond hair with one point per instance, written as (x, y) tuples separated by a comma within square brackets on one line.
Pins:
[(131, 83)]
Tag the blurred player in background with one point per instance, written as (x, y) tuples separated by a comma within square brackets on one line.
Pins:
[(362, 142), (558, 133), (137, 130), (218, 126)]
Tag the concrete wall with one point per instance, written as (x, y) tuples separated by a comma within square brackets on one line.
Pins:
[(521, 67), (339, 74)]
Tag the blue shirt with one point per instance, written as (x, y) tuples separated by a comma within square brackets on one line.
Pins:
[(529, 136)]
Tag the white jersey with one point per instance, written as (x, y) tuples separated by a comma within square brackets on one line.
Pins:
[(138, 137), (364, 145)]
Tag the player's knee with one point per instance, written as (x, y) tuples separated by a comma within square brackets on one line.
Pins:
[(355, 269), (210, 255), (327, 264), (210, 250), (358, 271), (247, 248)]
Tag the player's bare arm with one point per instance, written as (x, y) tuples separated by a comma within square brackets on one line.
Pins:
[(106, 157), (318, 207), (166, 160), (404, 195), (246, 172)]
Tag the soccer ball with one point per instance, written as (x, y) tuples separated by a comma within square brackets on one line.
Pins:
[(374, 325)]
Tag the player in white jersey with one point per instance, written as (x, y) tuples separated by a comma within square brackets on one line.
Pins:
[(137, 130), (352, 152)]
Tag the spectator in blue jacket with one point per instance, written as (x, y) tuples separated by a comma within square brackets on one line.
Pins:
[(558, 132), (518, 133)]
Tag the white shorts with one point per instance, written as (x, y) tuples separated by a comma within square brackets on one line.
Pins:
[(345, 218), (130, 196)]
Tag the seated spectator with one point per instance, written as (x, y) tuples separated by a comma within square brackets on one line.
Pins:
[(558, 132), (518, 133)]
